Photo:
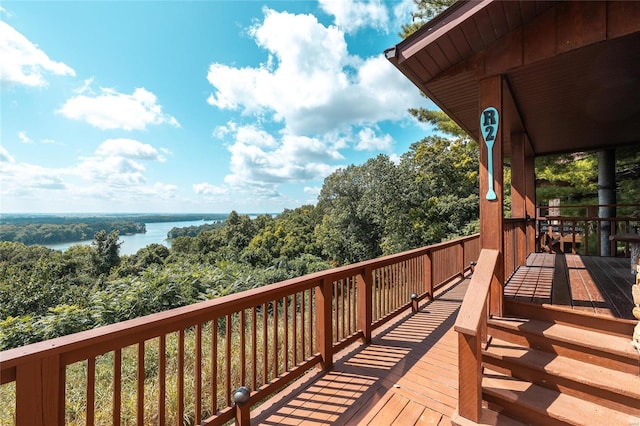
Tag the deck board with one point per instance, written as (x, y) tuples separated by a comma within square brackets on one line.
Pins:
[(592, 284), (408, 375)]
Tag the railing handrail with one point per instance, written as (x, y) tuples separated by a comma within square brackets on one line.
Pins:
[(470, 317), (471, 327), (145, 326), (589, 205), (336, 307)]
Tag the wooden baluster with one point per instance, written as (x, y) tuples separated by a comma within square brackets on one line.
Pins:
[(310, 322), (227, 360), (285, 352), (91, 391), (198, 374), (295, 329), (214, 366), (265, 346), (302, 317), (243, 342), (140, 385), (117, 385), (162, 379), (254, 348), (276, 371), (180, 412)]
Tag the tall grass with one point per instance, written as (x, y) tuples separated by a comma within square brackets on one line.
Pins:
[(229, 343)]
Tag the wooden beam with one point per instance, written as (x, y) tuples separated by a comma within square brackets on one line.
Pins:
[(491, 210), (530, 199), (519, 193)]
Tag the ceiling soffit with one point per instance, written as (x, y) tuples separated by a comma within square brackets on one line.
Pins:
[(572, 68)]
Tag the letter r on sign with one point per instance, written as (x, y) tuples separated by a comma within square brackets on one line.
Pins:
[(488, 117)]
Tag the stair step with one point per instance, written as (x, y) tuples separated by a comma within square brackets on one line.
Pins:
[(612, 388), (538, 405), (585, 345)]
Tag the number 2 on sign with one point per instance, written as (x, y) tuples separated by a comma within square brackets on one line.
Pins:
[(489, 121)]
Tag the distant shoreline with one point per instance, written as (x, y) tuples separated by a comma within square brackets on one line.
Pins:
[(70, 218)]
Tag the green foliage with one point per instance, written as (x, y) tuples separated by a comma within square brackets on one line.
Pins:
[(351, 200), (425, 11), (573, 178), (106, 253)]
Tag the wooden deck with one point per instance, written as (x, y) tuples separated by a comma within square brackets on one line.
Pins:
[(598, 285), (407, 376)]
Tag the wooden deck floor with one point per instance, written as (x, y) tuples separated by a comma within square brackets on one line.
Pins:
[(407, 376), (599, 285)]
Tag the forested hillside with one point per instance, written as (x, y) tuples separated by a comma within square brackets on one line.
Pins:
[(51, 229), (363, 211)]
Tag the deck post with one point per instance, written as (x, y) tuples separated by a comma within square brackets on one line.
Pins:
[(470, 367), (243, 414), (365, 309), (491, 207), (428, 274), (38, 393), (461, 264), (530, 199), (519, 194), (324, 323)]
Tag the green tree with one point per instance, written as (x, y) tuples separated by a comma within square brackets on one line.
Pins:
[(425, 11), (351, 202), (107, 251)]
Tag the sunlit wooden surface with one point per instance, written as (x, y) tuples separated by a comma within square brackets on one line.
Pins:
[(598, 285), (407, 376)]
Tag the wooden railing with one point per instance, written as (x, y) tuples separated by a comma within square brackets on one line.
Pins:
[(183, 365), (515, 244), (471, 325), (578, 229)]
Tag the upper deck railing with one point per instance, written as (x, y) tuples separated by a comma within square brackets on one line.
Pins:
[(182, 366), (578, 229)]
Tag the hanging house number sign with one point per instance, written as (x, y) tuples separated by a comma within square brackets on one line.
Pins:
[(489, 121)]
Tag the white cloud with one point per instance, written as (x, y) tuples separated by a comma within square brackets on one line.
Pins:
[(311, 84), (5, 157), (312, 190), (114, 110), (205, 188), (403, 11), (259, 160), (128, 148), (369, 141), (23, 62), (22, 135), (351, 15), (115, 172)]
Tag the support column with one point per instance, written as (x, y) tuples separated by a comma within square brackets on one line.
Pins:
[(530, 199), (606, 195), (519, 194), (491, 203)]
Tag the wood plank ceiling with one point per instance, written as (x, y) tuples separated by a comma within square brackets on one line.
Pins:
[(573, 69)]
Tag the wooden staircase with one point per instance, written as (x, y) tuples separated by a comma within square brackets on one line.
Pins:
[(551, 373)]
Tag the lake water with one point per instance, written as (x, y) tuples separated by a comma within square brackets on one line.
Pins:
[(156, 233)]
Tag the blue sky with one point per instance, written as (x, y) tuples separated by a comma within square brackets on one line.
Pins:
[(205, 106)]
